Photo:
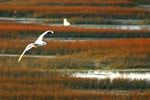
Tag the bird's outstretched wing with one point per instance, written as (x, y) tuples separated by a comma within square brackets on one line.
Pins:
[(42, 35), (28, 47)]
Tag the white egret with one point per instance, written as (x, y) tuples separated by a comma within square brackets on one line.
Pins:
[(66, 22), (39, 42)]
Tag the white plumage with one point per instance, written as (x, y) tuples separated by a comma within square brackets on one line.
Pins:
[(37, 43), (66, 22)]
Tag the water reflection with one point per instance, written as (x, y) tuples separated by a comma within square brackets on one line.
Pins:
[(112, 74)]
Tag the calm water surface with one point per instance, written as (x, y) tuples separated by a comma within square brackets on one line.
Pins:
[(126, 74)]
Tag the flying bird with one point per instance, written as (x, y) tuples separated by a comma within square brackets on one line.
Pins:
[(39, 42), (66, 22)]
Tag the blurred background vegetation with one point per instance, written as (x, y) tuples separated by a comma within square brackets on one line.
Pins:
[(85, 44)]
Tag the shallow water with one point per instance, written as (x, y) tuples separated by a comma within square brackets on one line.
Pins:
[(123, 27), (99, 74), (104, 26)]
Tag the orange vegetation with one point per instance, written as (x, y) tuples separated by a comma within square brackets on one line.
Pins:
[(122, 52), (32, 84), (54, 89), (17, 30), (127, 47), (75, 2), (34, 27), (81, 2), (75, 10), (28, 83)]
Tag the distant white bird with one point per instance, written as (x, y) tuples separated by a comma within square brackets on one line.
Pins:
[(39, 42), (66, 22)]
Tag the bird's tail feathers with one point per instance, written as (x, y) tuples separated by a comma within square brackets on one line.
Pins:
[(21, 56)]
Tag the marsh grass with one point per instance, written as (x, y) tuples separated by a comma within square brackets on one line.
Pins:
[(73, 3), (28, 83), (123, 53), (37, 79), (73, 11), (23, 31), (60, 62)]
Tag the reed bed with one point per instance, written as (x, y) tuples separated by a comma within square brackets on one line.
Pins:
[(17, 30), (122, 53), (78, 95), (83, 2), (64, 47), (59, 62), (23, 84), (27, 84), (70, 11), (68, 2), (36, 77)]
